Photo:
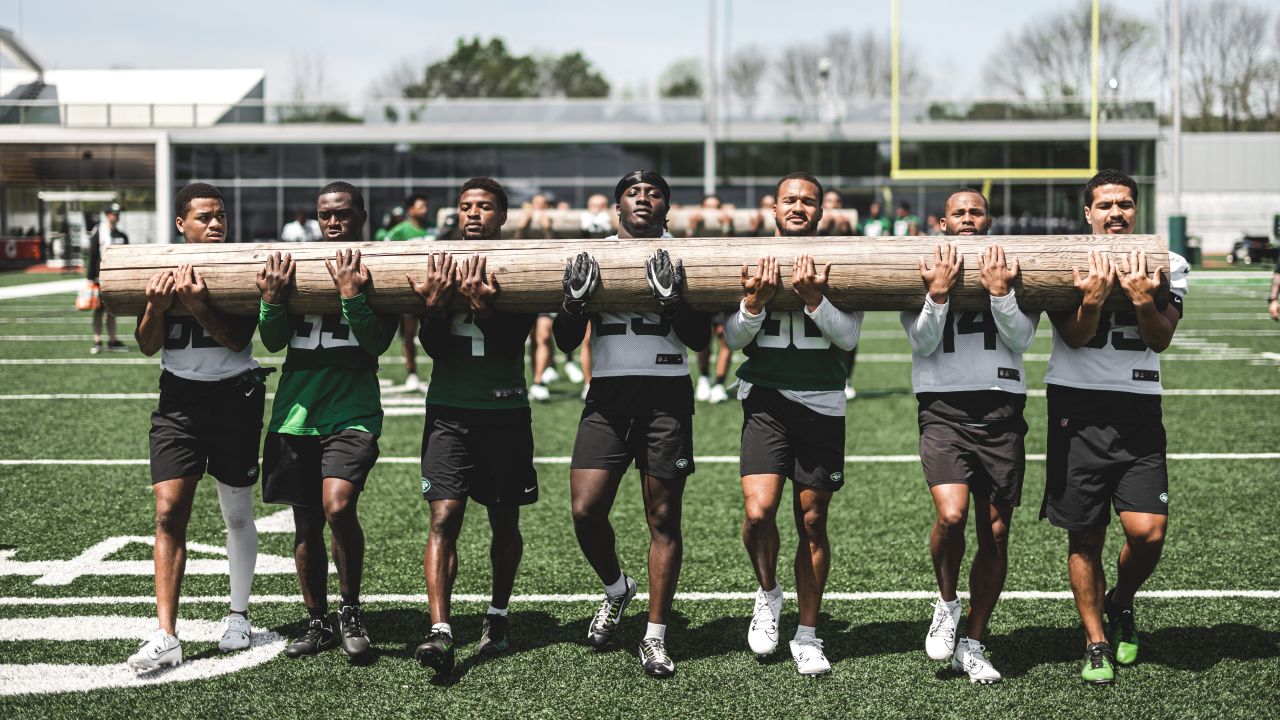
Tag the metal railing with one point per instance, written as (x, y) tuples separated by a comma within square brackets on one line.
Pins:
[(400, 111)]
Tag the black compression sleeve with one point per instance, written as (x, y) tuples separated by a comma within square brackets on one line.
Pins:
[(569, 330), (692, 327)]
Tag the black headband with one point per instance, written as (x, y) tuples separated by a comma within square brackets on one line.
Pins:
[(641, 176)]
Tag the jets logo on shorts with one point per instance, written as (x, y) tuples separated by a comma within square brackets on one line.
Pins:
[(682, 463), (1164, 498), (426, 485), (253, 472), (837, 477)]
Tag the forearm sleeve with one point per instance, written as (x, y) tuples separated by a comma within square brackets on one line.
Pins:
[(569, 330), (840, 327), (506, 332), (924, 329), (273, 326), (1017, 329), (433, 333), (741, 327), (374, 332), (692, 327)]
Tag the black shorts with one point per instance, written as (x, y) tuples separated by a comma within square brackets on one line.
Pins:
[(486, 455), (783, 437), (204, 427), (660, 443), (1092, 466), (990, 457), (295, 466)]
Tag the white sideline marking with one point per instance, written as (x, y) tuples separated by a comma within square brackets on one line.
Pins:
[(83, 320), (42, 678), (595, 597), (45, 288), (705, 459), (95, 561)]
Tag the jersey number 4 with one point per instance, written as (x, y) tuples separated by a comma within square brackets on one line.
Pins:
[(791, 329), (969, 323), (323, 331), (1118, 338), (463, 325)]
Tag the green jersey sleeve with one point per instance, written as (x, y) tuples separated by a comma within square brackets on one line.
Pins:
[(374, 332), (273, 326)]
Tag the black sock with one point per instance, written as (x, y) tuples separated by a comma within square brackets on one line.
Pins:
[(320, 613), (242, 613), (720, 379), (352, 600)]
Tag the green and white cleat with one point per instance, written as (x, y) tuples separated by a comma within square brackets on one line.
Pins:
[(1099, 667)]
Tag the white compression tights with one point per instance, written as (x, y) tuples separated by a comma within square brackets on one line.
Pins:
[(242, 541)]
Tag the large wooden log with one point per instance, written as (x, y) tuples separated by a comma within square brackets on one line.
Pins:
[(866, 274), (568, 223)]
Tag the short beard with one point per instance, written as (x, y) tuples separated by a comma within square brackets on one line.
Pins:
[(810, 230), (651, 229)]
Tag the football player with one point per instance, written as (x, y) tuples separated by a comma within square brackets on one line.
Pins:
[(325, 421), (793, 406), (1106, 446), (639, 409), (476, 402), (209, 420), (966, 371)]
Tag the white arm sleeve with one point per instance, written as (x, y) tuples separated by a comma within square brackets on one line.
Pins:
[(924, 329), (741, 327), (1017, 329), (841, 328)]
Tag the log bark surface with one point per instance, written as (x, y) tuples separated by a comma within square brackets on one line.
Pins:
[(867, 273)]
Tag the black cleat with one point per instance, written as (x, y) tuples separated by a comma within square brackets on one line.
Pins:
[(317, 638), (654, 658), (355, 638), (436, 652), (605, 623), (493, 635)]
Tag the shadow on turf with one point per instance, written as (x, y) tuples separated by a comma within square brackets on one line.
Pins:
[(1178, 648)]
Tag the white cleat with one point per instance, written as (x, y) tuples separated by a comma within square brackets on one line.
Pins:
[(412, 383), (849, 392), (970, 658), (539, 393), (550, 375), (940, 643), (810, 660), (702, 392), (573, 372), (718, 394), (762, 636), (235, 633), (160, 650)]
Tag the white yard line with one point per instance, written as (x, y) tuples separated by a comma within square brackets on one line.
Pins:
[(564, 459), (595, 597), (45, 288)]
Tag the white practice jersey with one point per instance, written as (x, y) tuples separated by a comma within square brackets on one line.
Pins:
[(963, 351), (192, 355), (1116, 358), (635, 344)]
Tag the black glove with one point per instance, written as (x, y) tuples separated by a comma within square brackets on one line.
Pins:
[(581, 279), (665, 280)]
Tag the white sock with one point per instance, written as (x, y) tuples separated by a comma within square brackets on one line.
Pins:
[(952, 604), (242, 541), (618, 587), (775, 593), (496, 611), (806, 632), (655, 631), (444, 628)]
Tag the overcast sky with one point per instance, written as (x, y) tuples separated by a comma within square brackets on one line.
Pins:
[(630, 42)]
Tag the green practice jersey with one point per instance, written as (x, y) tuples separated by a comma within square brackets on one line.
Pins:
[(407, 231), (330, 380), (790, 353), (477, 364)]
